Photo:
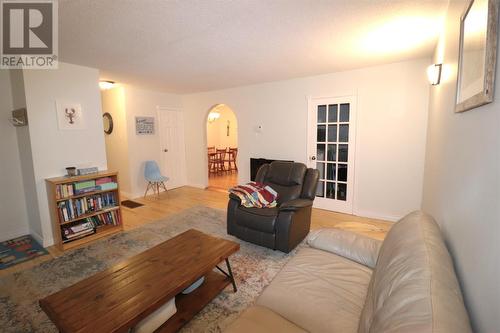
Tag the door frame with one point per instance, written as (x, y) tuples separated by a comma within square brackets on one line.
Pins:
[(161, 138), (352, 98)]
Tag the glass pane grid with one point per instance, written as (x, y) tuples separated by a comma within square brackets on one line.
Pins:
[(332, 150)]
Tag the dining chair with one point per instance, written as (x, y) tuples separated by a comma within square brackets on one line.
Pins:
[(212, 163), (221, 156), (231, 159), (154, 178)]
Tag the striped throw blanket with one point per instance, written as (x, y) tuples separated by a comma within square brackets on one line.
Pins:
[(255, 195)]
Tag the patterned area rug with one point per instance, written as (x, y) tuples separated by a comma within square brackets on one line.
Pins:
[(18, 250), (254, 267)]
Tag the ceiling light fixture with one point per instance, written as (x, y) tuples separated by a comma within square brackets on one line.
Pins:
[(105, 84), (434, 74), (213, 116)]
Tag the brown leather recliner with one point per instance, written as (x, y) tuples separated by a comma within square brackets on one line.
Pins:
[(282, 227)]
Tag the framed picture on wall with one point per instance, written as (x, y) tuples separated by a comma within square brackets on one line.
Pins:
[(477, 55), (145, 125), (69, 116)]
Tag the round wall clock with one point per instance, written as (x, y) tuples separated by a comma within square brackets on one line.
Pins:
[(108, 123)]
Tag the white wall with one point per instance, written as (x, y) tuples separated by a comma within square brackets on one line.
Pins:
[(139, 102), (392, 122), (113, 102), (26, 158), (128, 102), (14, 217), (461, 184), (53, 149)]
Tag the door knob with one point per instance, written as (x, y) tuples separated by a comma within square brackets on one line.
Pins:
[(313, 158)]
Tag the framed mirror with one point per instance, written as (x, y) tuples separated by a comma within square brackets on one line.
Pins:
[(477, 55), (107, 122)]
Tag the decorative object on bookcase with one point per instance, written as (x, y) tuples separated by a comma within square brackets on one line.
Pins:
[(84, 208), (71, 171), (87, 171), (69, 116)]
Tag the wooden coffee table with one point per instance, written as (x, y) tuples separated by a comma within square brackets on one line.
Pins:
[(118, 298)]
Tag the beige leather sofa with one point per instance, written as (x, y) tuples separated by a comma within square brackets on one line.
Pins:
[(345, 282)]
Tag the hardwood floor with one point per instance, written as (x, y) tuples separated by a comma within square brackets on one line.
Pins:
[(224, 181), (174, 201)]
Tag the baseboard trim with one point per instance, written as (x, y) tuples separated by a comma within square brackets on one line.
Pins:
[(126, 195), (372, 215), (39, 239), (201, 186)]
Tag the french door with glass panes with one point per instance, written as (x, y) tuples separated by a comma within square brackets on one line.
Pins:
[(331, 143)]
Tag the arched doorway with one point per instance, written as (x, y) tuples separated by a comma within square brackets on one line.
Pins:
[(222, 147)]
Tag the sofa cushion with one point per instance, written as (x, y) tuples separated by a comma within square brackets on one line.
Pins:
[(259, 319), (414, 287), (261, 219), (359, 248), (319, 291)]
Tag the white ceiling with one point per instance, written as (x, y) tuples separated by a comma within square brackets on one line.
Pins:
[(198, 45)]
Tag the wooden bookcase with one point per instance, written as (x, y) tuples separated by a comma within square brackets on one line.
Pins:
[(59, 222)]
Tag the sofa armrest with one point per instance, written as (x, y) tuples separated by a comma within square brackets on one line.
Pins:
[(296, 204), (361, 249), (234, 197)]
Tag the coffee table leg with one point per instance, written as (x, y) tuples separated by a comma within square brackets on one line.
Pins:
[(229, 274)]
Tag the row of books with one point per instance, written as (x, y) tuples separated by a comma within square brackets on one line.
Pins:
[(89, 225), (73, 208), (82, 187), (107, 218), (64, 191)]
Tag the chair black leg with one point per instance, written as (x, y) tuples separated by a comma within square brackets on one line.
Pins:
[(147, 189)]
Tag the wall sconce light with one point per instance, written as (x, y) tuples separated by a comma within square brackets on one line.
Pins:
[(213, 116), (434, 74), (105, 84)]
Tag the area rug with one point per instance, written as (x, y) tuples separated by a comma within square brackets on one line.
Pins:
[(254, 267), (18, 250)]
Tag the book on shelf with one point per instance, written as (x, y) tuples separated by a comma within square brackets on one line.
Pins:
[(86, 186), (106, 218), (108, 186), (89, 225), (78, 230), (103, 180), (82, 187), (64, 191), (73, 208)]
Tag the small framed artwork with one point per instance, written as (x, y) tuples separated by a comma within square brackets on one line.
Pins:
[(145, 125), (69, 116), (477, 55)]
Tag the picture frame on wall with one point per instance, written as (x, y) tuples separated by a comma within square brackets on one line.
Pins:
[(69, 116), (477, 55), (145, 125)]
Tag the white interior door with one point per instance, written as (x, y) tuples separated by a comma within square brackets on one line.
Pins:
[(173, 153), (331, 144)]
